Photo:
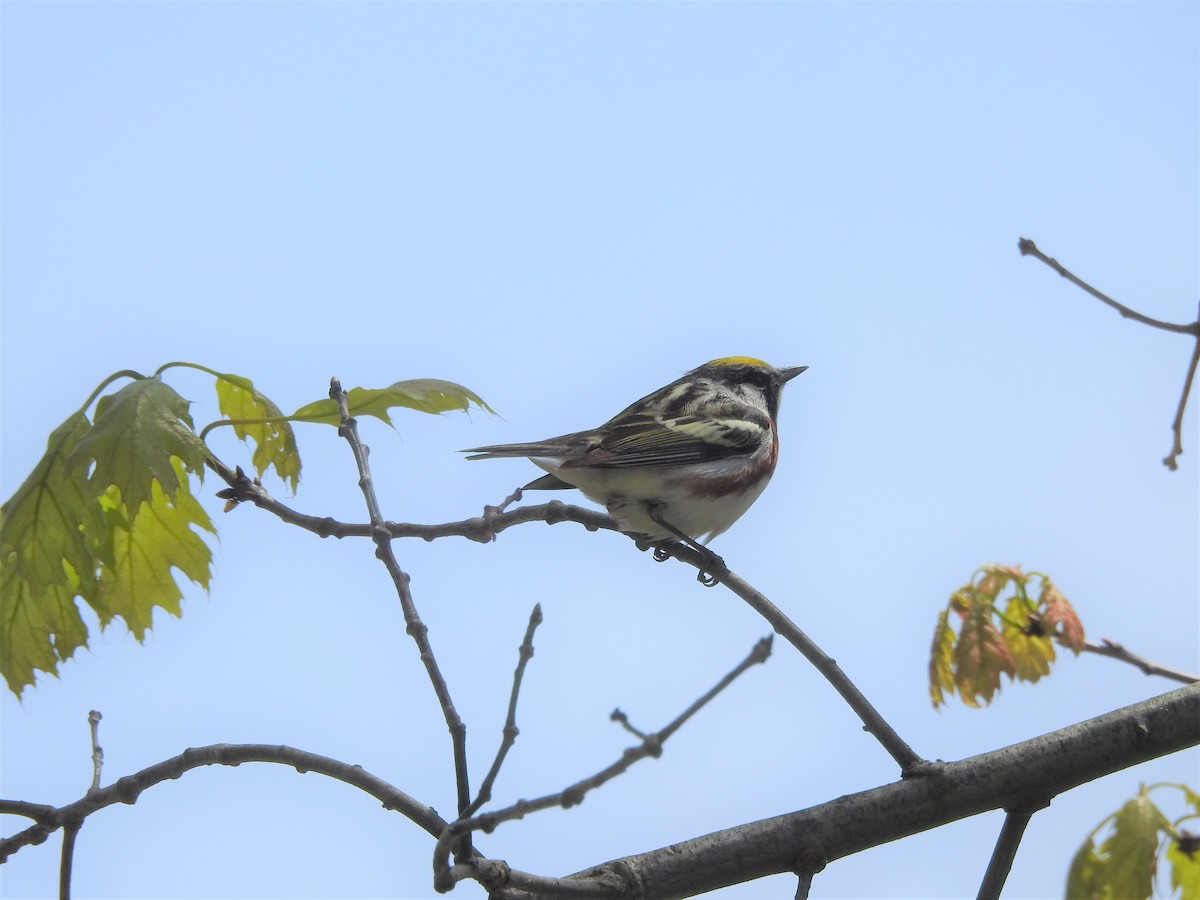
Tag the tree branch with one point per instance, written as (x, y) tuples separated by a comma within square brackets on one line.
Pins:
[(1027, 774), (445, 876), (413, 624), (1114, 650), (1029, 248), (910, 762), (127, 790), (509, 737), (494, 521), (1015, 822)]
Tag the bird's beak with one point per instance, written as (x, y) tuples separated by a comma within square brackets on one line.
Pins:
[(790, 373)]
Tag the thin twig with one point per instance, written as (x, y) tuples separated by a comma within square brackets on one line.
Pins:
[(94, 718), (509, 737), (483, 529), (67, 859), (623, 720), (1171, 460), (445, 876), (1113, 650), (1029, 248), (413, 624), (873, 722), (486, 528)]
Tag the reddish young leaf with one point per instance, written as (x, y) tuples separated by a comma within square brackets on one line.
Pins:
[(981, 657), (1058, 613)]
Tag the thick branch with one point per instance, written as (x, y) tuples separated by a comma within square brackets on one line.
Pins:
[(1022, 775)]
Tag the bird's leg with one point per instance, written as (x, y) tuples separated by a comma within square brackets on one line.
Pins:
[(712, 567)]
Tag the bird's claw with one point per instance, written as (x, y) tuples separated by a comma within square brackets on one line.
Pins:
[(713, 570)]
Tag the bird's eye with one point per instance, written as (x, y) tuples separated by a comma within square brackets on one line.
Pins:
[(758, 378)]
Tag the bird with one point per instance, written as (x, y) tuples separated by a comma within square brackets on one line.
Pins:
[(681, 464)]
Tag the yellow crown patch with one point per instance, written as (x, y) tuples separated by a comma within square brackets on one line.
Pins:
[(739, 361)]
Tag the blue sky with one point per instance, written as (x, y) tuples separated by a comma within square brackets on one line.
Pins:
[(564, 206)]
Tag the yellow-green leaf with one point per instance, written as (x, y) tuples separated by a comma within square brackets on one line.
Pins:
[(257, 418), (1031, 653), (428, 395), (37, 629), (941, 660), (1083, 879), (136, 433), (159, 540), (1123, 867)]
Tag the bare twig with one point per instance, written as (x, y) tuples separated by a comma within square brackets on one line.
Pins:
[(487, 527), (94, 718), (483, 529), (49, 819), (1005, 851), (67, 858), (1171, 459), (445, 876), (623, 720), (71, 826), (873, 722), (1114, 650), (1029, 248), (413, 624), (524, 654)]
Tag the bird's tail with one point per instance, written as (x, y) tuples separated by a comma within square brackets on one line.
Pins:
[(501, 451)]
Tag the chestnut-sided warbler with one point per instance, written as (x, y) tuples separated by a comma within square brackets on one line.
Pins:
[(683, 463)]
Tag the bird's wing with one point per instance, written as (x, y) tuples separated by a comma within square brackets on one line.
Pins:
[(654, 440)]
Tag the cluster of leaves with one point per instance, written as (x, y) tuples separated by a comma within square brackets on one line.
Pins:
[(1013, 637), (109, 511), (1125, 864)]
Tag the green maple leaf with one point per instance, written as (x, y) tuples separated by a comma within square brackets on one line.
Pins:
[(428, 395), (136, 432), (1123, 866), (980, 657), (145, 552), (44, 524), (257, 418), (1031, 653), (941, 660), (50, 531)]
